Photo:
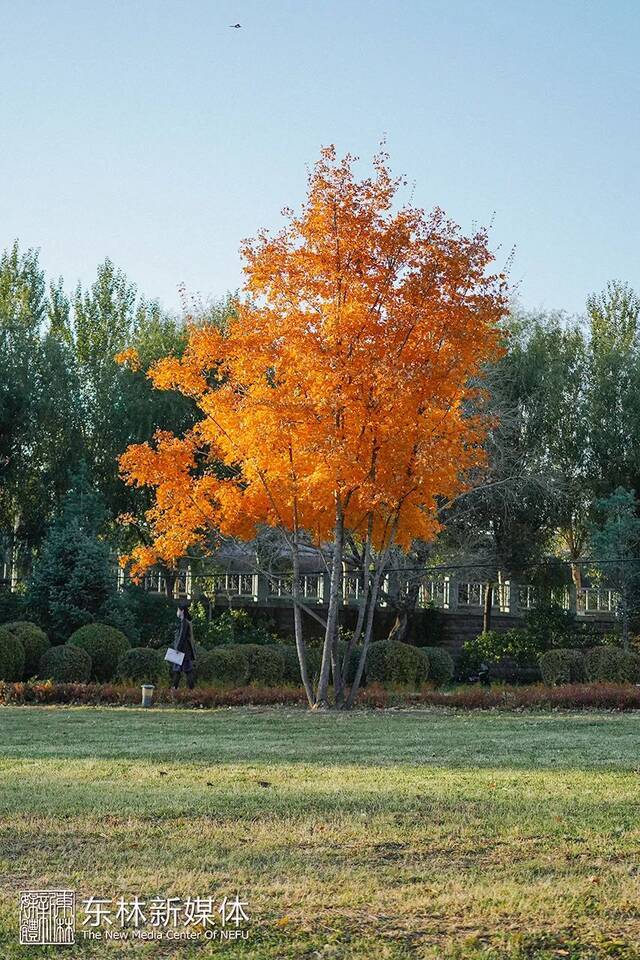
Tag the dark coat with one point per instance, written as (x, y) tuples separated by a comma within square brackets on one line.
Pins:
[(184, 643)]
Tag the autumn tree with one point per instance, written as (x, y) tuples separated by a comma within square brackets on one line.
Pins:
[(334, 403)]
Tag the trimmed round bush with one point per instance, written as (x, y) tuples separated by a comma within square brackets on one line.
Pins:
[(35, 643), (266, 664), (392, 662), (563, 666), (226, 664), (12, 656), (65, 663), (612, 665), (142, 665), (104, 644), (441, 665)]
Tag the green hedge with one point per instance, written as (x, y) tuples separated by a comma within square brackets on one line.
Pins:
[(392, 662), (66, 663), (12, 656), (266, 663), (35, 643), (612, 665), (143, 665), (289, 654), (226, 665), (563, 666), (104, 644), (239, 664), (441, 665)]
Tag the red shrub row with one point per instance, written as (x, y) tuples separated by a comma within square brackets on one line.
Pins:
[(97, 694), (597, 696), (577, 696)]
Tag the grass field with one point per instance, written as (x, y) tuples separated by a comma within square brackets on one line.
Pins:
[(379, 835)]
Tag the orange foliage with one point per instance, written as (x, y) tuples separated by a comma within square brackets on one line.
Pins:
[(344, 377), (128, 358)]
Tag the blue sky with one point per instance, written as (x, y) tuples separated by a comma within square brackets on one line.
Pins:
[(150, 132)]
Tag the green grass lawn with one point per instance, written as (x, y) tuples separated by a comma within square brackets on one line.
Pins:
[(371, 835)]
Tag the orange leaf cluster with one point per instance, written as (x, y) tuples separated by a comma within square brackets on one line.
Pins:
[(344, 377)]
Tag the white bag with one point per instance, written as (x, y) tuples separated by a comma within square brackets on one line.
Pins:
[(174, 656)]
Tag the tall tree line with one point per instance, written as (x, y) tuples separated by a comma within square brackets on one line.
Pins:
[(66, 406)]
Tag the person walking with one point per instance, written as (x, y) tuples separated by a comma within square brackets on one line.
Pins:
[(184, 643)]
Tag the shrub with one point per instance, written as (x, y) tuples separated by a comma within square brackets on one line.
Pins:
[(440, 665), (226, 664), (12, 656), (563, 666), (35, 642), (104, 644), (492, 647), (65, 663), (266, 664), (392, 662), (142, 664), (599, 696), (612, 665)]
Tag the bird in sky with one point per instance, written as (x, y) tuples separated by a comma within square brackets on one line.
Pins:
[(235, 26)]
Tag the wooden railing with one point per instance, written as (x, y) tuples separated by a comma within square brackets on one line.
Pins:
[(443, 592)]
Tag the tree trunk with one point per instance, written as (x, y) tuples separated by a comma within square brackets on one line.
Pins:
[(170, 582), (362, 609), (373, 599), (488, 604), (576, 574), (297, 623), (14, 574), (322, 694), (399, 629)]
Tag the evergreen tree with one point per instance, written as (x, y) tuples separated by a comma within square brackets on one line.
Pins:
[(74, 581)]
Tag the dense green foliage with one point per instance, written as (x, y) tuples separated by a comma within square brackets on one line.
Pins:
[(35, 642), (393, 662), (266, 664), (612, 664), (231, 627), (225, 664), (65, 663), (142, 665), (104, 644), (441, 665), (154, 616), (563, 666), (12, 655)]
